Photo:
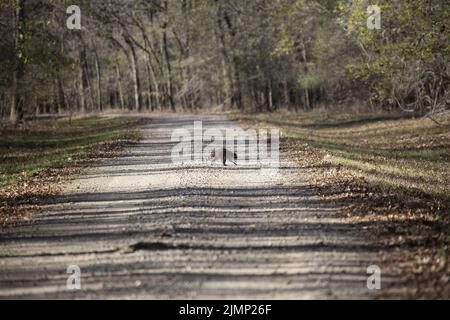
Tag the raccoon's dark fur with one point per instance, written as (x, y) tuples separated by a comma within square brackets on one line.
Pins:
[(224, 155)]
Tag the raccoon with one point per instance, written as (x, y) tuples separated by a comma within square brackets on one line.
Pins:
[(224, 155)]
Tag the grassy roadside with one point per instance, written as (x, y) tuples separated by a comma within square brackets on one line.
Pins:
[(33, 159), (404, 156), (48, 143), (388, 173)]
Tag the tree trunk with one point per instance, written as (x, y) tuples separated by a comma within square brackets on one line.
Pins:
[(306, 89), (119, 87), (228, 85), (18, 18), (61, 94), (149, 85), (155, 82), (135, 76), (149, 48), (81, 97), (99, 81), (169, 68), (237, 95), (269, 95), (287, 100), (14, 98), (86, 80)]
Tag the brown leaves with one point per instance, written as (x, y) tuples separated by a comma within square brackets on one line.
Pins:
[(22, 200), (417, 224)]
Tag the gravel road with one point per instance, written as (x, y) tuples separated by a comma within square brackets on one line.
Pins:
[(140, 226)]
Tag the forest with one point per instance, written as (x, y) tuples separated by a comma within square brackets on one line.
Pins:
[(245, 56), (352, 203)]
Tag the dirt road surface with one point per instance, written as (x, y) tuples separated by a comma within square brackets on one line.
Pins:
[(140, 226)]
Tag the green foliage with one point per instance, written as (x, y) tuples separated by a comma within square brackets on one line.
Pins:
[(252, 55), (398, 59), (309, 81)]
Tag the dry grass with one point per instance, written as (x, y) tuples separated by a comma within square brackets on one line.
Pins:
[(406, 156), (36, 157), (389, 173), (48, 143)]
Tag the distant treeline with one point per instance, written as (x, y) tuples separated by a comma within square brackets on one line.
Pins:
[(259, 55)]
